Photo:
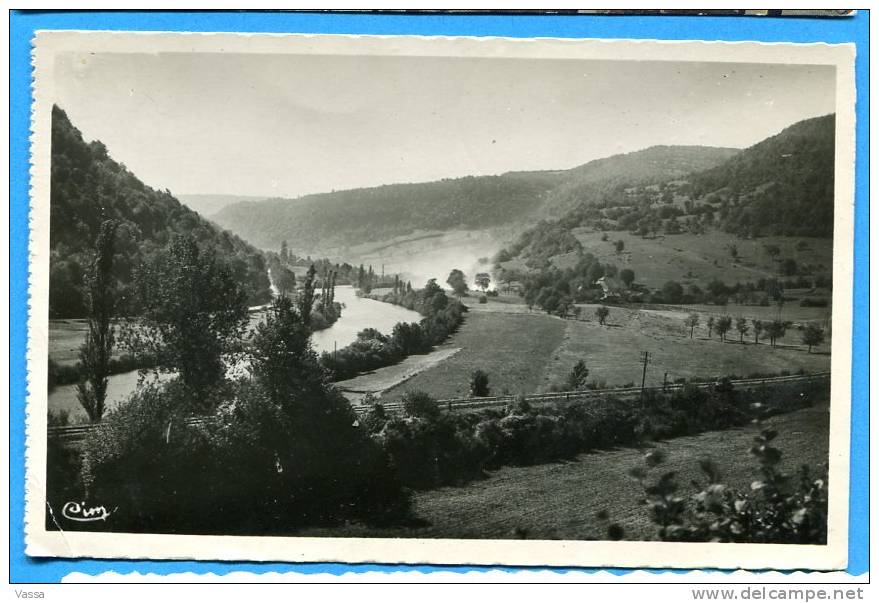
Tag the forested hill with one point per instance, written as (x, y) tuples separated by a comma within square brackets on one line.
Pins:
[(315, 222), (782, 185), (87, 186), (208, 204), (593, 181)]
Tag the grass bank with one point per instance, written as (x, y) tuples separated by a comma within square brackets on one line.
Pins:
[(560, 500), (513, 349)]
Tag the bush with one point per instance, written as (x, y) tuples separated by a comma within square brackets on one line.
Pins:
[(483, 299), (522, 434), (780, 508), (270, 468), (420, 404), (815, 302)]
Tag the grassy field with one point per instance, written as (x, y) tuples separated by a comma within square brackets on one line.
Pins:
[(512, 349), (560, 500), (614, 352), (379, 380), (65, 338), (528, 351), (689, 258)]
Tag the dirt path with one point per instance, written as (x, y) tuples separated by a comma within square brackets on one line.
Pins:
[(560, 501)]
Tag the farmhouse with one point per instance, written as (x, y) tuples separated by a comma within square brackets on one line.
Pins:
[(611, 286)]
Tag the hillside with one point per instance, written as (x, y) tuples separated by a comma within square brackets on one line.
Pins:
[(88, 186), (354, 217), (317, 222), (207, 205), (594, 181), (782, 185)]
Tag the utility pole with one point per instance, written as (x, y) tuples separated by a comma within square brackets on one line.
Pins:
[(644, 374)]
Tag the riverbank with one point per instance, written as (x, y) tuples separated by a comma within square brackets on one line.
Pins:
[(66, 336)]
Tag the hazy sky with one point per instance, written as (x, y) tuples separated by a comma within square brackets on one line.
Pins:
[(286, 125)]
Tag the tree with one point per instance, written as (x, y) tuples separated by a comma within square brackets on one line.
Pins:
[(710, 324), (285, 254), (281, 356), (672, 292), (788, 267), (483, 279), (742, 328), (602, 312), (758, 328), (692, 321), (724, 324), (457, 282), (772, 250), (193, 316), (775, 330), (285, 280), (306, 296), (813, 335), (619, 246), (577, 379), (734, 252), (564, 307), (96, 351), (627, 275), (479, 384)]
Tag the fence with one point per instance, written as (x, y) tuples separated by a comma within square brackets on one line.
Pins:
[(454, 404)]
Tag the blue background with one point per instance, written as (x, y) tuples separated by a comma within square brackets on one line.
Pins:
[(23, 25)]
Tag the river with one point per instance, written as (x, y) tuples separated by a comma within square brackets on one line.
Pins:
[(358, 314)]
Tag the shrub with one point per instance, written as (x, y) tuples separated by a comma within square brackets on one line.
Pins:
[(146, 460), (479, 384), (814, 302), (420, 404), (270, 467), (780, 508), (483, 299)]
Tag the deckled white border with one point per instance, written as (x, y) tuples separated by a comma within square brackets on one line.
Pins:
[(41, 542)]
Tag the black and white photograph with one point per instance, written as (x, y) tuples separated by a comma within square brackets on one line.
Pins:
[(403, 299)]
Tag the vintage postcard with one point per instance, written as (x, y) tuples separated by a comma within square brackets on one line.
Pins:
[(440, 300)]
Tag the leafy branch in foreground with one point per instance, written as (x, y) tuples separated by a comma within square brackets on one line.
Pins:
[(781, 507)]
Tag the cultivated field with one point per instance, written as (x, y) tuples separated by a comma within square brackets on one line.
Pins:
[(561, 500), (512, 349)]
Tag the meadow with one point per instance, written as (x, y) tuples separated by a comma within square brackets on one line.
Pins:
[(513, 349), (529, 351), (561, 500)]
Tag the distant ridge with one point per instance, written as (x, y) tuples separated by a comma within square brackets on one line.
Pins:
[(316, 222), (207, 205)]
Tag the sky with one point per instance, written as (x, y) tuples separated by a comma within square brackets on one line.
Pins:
[(288, 125)]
